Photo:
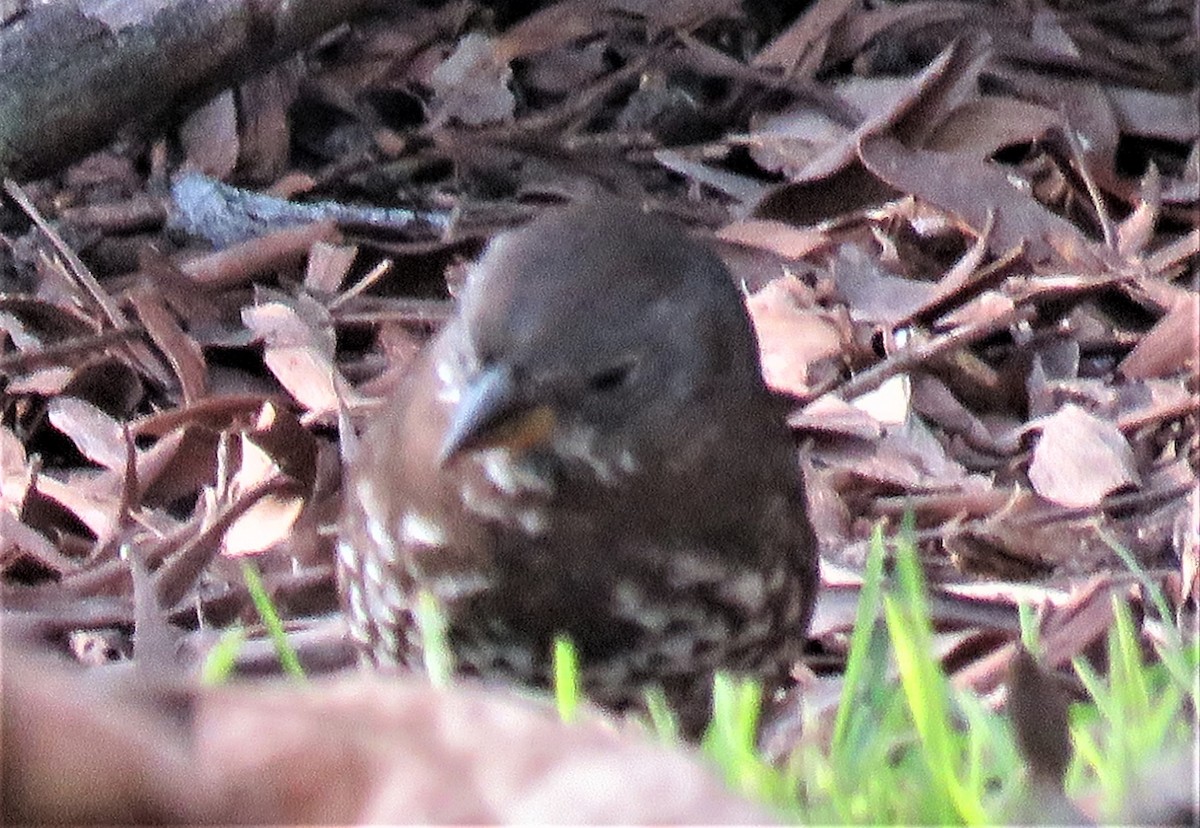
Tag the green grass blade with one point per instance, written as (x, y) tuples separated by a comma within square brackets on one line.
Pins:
[(925, 687), (865, 616), (731, 743), (435, 642), (1125, 661), (1029, 629), (221, 660), (270, 619), (566, 678), (663, 720), (1133, 565), (1174, 653)]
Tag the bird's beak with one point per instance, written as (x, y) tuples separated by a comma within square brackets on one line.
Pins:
[(492, 413)]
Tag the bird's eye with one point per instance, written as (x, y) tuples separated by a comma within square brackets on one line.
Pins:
[(612, 377)]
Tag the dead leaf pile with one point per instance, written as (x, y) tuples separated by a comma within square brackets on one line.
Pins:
[(969, 235)]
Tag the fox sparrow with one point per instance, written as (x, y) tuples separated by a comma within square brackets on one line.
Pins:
[(588, 448)]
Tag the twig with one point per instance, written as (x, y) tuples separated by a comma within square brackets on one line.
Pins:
[(78, 270), (65, 352), (908, 358)]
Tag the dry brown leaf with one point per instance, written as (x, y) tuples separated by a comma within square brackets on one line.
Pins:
[(179, 464), (1079, 458), (1070, 625), (17, 538), (1088, 114), (1137, 230), (1030, 537), (328, 266), (802, 44), (954, 286), (784, 240), (934, 401), (884, 101), (271, 518), (790, 337), (982, 127), (794, 142), (980, 312), (298, 339), (1171, 346), (271, 253), (99, 437), (471, 85), (744, 188), (550, 28), (277, 445), (832, 415), (976, 192), (96, 509), (180, 349), (906, 458), (889, 403), (14, 472), (1177, 252), (871, 293), (564, 71), (1154, 114), (45, 383)]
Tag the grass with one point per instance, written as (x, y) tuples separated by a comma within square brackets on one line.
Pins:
[(567, 687), (1138, 715), (907, 747), (439, 661), (221, 661), (904, 745)]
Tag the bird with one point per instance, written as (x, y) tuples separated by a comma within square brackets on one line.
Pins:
[(587, 449)]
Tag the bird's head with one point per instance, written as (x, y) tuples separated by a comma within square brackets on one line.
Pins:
[(602, 319)]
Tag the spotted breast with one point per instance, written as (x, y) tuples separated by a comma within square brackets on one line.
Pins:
[(586, 449)]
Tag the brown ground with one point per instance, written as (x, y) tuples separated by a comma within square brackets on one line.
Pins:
[(968, 234)]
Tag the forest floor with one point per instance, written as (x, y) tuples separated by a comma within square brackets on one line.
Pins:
[(968, 238)]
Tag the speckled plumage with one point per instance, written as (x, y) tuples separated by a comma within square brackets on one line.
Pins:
[(656, 515)]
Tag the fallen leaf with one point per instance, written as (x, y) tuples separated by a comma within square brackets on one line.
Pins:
[(98, 436), (277, 445), (471, 85), (873, 294), (1080, 458), (784, 240), (790, 337), (297, 335), (14, 472), (977, 191), (1171, 346)]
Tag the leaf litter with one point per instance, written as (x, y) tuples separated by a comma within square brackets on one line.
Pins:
[(969, 242)]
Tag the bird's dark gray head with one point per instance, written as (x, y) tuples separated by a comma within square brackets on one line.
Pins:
[(600, 315)]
